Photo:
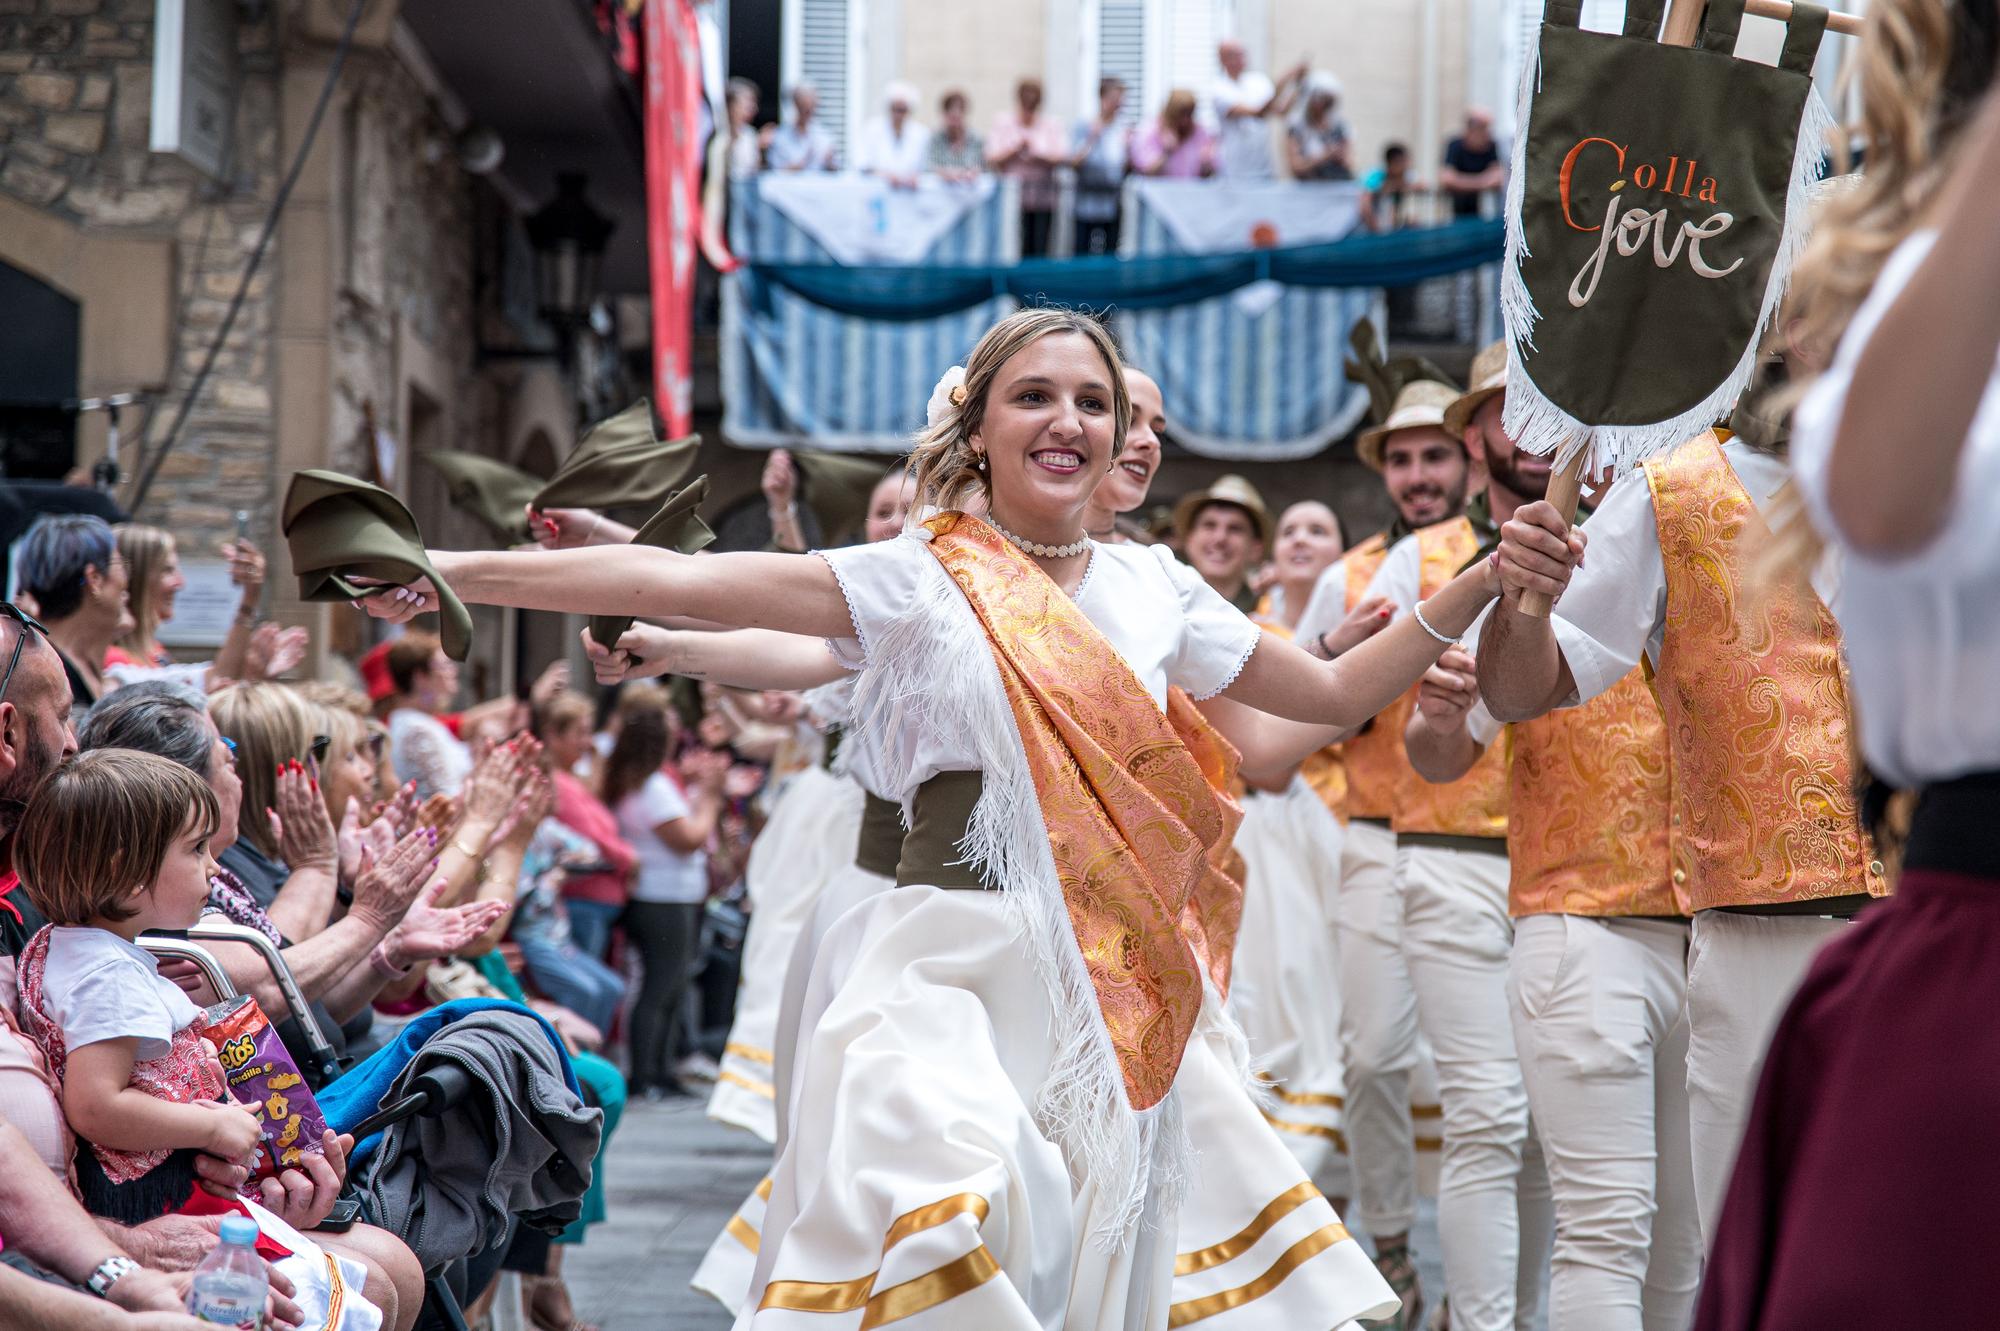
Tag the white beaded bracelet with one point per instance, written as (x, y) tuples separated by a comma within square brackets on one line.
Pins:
[(1425, 625)]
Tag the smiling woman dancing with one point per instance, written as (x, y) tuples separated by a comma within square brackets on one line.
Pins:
[(1005, 1082)]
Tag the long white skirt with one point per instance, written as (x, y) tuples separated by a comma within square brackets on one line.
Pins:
[(1285, 989), (916, 1186), (809, 840), (725, 1270)]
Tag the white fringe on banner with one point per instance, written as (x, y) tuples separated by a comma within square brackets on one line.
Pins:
[(1539, 425)]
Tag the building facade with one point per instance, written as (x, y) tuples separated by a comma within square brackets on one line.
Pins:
[(393, 309)]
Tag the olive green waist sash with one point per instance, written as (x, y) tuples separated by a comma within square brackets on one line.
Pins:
[(881, 842), (928, 852)]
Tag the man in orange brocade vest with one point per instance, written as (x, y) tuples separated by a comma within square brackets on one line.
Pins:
[(1389, 1064), (1597, 979), (1451, 873), (1764, 834)]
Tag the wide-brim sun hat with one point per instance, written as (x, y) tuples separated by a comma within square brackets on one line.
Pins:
[(1419, 404), (1231, 489), (1489, 380)]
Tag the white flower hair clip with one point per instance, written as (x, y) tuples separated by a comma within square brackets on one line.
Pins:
[(947, 396)]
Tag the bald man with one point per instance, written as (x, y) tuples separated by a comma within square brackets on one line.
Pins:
[(35, 735), (1243, 100)]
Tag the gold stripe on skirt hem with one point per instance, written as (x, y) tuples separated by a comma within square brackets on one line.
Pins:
[(898, 1301), (1286, 1202), (1307, 1248)]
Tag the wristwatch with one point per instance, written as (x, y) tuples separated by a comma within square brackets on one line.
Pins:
[(108, 1273)]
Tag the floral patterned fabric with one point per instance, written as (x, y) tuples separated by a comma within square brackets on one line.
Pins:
[(186, 1073), (1130, 815)]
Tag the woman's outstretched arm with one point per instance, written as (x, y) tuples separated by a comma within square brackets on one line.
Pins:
[(739, 658), (1284, 680), (795, 593)]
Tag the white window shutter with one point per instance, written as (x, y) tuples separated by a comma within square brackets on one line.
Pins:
[(1193, 29), (818, 50), (1603, 15), (1121, 54)]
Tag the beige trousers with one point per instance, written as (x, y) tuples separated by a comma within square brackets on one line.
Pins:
[(1741, 972), (1378, 1033), (1494, 1215), (1600, 1020)]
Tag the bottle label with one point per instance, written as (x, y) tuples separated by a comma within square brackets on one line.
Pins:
[(226, 1308)]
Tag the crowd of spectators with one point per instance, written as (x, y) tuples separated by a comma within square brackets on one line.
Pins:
[(1227, 131), (398, 846)]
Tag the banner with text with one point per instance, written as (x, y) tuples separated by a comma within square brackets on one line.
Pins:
[(1657, 203)]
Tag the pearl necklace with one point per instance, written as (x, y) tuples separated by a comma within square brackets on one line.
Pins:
[(1036, 548)]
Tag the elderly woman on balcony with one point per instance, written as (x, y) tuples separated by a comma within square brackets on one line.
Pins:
[(1175, 146)]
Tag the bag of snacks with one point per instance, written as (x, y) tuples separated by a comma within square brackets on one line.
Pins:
[(264, 1080)]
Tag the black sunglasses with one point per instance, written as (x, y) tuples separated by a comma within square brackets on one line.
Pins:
[(26, 621), (320, 744)]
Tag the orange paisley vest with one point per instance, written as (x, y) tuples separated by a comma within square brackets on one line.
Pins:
[(1475, 805), (1588, 804), (1373, 759), (1754, 691)]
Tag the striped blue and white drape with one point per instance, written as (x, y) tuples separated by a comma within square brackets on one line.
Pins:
[(798, 374)]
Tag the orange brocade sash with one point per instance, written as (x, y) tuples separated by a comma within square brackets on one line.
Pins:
[(1132, 817)]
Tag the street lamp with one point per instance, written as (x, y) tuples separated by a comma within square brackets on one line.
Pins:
[(568, 237)]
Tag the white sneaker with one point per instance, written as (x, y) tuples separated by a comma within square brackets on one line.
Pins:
[(698, 1066)]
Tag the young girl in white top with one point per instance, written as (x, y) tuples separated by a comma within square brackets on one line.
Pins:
[(114, 844)]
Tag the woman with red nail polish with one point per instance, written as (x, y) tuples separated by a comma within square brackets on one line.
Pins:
[(286, 852)]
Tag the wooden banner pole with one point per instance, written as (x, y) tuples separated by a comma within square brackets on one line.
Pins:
[(1848, 25)]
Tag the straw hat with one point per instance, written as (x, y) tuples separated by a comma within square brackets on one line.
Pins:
[(1419, 403), (1489, 378), (1225, 490)]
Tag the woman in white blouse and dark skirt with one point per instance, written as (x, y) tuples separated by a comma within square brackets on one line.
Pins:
[(668, 824), (1871, 1134)]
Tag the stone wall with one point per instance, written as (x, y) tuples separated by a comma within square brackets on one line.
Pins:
[(75, 112), (402, 343), (393, 271), (403, 298)]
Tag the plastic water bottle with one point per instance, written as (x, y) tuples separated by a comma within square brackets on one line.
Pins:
[(231, 1285)]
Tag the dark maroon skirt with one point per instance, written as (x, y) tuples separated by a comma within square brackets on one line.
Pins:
[(1867, 1190)]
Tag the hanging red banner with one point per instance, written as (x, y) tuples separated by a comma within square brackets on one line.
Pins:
[(673, 207)]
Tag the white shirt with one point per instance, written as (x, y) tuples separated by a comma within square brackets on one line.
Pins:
[(99, 987), (1615, 609), (1921, 630), (1246, 140), (423, 749), (1399, 577), (746, 154), (1170, 627), (1400, 580), (884, 154), (665, 874)]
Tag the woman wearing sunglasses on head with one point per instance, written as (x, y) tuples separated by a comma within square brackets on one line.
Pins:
[(285, 853)]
